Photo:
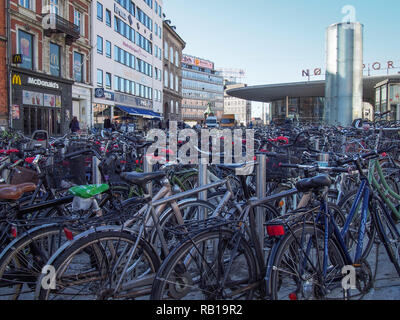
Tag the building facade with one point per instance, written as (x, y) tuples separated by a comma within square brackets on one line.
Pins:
[(173, 47), (201, 87), (239, 107), (47, 35), (3, 67), (387, 98), (128, 61)]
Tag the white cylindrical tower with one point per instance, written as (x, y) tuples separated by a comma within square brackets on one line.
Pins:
[(344, 73)]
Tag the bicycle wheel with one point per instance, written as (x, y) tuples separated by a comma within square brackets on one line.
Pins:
[(195, 209), (216, 264), (91, 267), (22, 261), (297, 271), (387, 230)]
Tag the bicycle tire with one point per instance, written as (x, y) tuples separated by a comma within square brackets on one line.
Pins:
[(178, 274), (100, 264), (387, 230), (313, 287), (20, 266)]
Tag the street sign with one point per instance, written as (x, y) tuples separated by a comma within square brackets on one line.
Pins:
[(99, 93)]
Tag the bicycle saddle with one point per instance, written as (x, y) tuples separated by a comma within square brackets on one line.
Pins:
[(14, 192), (141, 179), (317, 182)]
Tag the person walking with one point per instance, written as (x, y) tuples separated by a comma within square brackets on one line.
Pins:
[(107, 124), (74, 125)]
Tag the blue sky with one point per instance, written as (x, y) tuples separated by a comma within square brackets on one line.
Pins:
[(274, 40)]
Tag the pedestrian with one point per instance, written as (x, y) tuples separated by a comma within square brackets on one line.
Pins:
[(107, 124), (74, 125)]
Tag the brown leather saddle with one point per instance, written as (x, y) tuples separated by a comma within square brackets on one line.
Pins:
[(15, 192)]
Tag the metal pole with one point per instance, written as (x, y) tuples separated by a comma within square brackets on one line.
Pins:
[(147, 167), (96, 176), (202, 182), (261, 192)]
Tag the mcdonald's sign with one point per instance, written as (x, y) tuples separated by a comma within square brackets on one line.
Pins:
[(16, 79), (17, 58)]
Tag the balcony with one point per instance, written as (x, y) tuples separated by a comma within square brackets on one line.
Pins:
[(53, 23)]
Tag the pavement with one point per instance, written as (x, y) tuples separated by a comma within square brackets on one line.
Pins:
[(387, 281)]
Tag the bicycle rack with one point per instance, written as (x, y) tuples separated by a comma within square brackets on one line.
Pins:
[(202, 182), (147, 167), (96, 176), (261, 171)]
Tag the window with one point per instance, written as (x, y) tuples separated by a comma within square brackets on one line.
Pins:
[(176, 83), (78, 20), (99, 11), (172, 106), (156, 27), (166, 50), (108, 80), (108, 17), (54, 7), (99, 45), (165, 78), (177, 107), (171, 55), (171, 81), (108, 49), (55, 69), (177, 58), (99, 77), (78, 67), (159, 32), (116, 83), (29, 4), (25, 47)]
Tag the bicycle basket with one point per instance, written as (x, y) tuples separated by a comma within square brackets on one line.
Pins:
[(22, 175), (275, 171)]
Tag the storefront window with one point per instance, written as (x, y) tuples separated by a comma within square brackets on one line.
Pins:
[(25, 42), (55, 60), (78, 67), (306, 110), (395, 93)]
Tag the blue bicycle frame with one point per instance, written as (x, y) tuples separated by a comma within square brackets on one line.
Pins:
[(362, 195)]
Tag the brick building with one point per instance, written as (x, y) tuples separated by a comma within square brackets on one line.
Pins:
[(53, 81), (3, 65)]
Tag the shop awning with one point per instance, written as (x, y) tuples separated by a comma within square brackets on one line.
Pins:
[(139, 112)]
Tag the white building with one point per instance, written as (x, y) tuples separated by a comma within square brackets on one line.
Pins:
[(127, 60), (239, 107)]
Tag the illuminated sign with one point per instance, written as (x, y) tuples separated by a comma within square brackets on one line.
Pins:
[(197, 62), (17, 58), (16, 79), (41, 83)]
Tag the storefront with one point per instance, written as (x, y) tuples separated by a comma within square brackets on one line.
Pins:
[(81, 105), (387, 98), (103, 107), (135, 110), (40, 102)]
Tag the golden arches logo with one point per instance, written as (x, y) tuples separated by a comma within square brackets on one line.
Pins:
[(16, 79)]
